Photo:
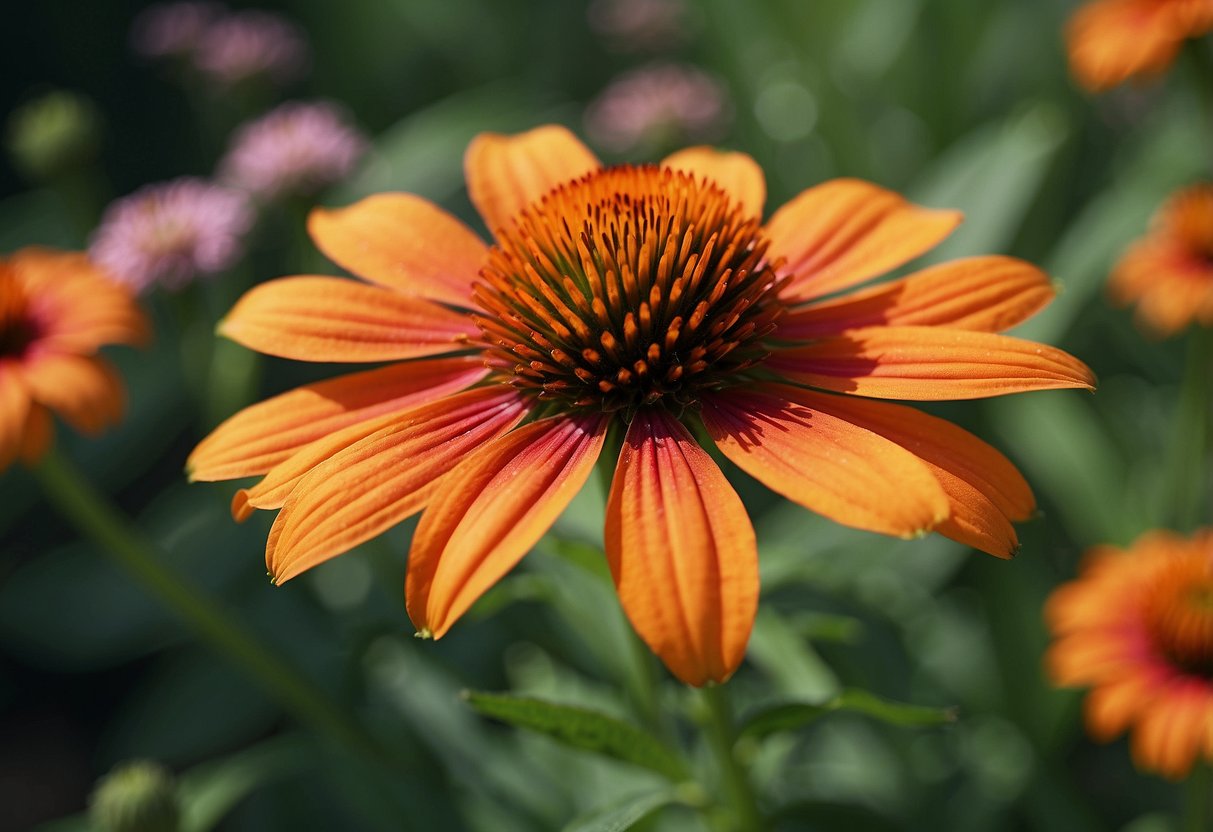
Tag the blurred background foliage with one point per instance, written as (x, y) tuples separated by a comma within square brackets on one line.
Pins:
[(955, 103)]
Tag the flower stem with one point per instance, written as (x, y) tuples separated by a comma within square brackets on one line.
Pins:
[(99, 521), (1192, 446), (722, 736), (1199, 791)]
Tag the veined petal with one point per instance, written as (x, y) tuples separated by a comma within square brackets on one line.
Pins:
[(737, 173), (333, 319), (85, 390), (824, 463), (373, 484), (985, 294), (507, 173), (491, 510), (985, 491), (14, 411), (927, 363), (681, 551), (403, 242), (846, 231), (259, 437)]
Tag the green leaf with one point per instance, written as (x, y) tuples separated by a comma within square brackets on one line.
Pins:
[(580, 728), (791, 715), (624, 815), (211, 790)]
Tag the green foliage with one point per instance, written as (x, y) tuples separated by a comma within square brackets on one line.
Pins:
[(789, 716)]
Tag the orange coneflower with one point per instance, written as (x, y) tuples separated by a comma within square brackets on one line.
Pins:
[(1111, 41), (56, 310), (654, 300), (1137, 627), (1169, 272)]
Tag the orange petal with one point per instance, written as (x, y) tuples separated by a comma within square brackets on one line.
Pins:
[(38, 433), (682, 551), (927, 363), (826, 464), (846, 231), (14, 411), (736, 173), (985, 491), (332, 319), (491, 510), (402, 242), (263, 435), (373, 484), (507, 173), (85, 390), (1112, 40), (985, 294)]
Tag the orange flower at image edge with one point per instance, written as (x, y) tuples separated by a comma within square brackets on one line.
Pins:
[(652, 299), (1137, 627), (56, 311), (1169, 272), (1111, 41)]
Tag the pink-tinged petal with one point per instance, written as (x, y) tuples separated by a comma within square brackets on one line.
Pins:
[(261, 436), (332, 319), (985, 294), (14, 411), (507, 173), (402, 242), (736, 173), (826, 464), (491, 510), (84, 390), (368, 487), (985, 491), (846, 231), (681, 551), (925, 363)]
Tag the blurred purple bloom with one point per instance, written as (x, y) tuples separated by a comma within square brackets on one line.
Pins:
[(172, 29), (655, 25), (171, 232), (245, 44), (663, 104), (297, 148)]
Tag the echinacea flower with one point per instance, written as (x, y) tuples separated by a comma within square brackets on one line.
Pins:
[(1111, 41), (647, 302), (252, 44), (56, 311), (172, 232), (1136, 627), (297, 148), (1168, 273), (636, 25), (655, 104)]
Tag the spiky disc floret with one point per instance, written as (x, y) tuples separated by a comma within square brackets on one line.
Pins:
[(629, 286)]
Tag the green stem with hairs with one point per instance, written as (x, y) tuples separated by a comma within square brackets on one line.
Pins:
[(722, 736), (99, 521)]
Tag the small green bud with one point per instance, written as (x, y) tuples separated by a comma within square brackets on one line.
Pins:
[(53, 133), (139, 796)]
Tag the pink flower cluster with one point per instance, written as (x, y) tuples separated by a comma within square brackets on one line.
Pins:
[(227, 47), (172, 232), (662, 104), (298, 148)]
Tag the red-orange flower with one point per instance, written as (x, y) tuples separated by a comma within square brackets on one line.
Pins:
[(1169, 272), (650, 298), (1111, 41), (56, 311), (1137, 627)]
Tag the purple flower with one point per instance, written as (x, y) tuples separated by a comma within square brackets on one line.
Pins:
[(172, 29), (252, 43), (297, 148), (641, 25), (171, 232), (663, 104)]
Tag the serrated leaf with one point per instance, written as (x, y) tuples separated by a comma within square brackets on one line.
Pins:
[(788, 716), (622, 816), (580, 728)]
